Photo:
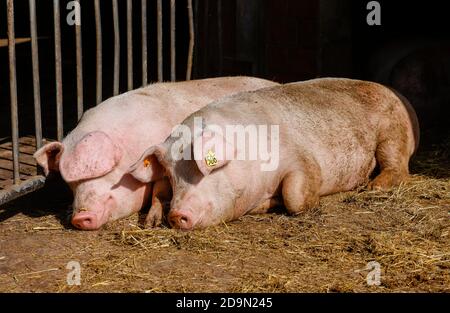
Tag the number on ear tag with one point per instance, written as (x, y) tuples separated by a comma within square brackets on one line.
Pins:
[(211, 159)]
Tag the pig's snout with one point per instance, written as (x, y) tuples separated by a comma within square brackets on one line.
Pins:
[(95, 214), (180, 219), (86, 221)]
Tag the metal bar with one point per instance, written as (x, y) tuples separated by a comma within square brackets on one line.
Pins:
[(220, 35), (195, 60), (58, 70), (130, 43), (172, 41), (13, 91), (191, 41), (205, 36), (116, 48), (16, 191), (98, 31), (36, 80), (144, 42), (160, 39), (79, 48)]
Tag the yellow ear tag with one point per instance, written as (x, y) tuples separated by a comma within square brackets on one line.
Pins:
[(146, 163), (211, 159)]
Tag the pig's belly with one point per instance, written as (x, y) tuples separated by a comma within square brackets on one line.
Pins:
[(345, 170)]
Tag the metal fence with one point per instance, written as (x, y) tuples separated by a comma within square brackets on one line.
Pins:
[(21, 185)]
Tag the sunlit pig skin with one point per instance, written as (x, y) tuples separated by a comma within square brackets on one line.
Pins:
[(94, 157), (332, 133)]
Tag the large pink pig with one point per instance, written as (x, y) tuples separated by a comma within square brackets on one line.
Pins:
[(328, 135), (94, 157)]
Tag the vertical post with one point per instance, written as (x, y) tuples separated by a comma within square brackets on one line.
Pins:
[(58, 70), (116, 48), (205, 36), (13, 91), (79, 55), (36, 80), (144, 42), (130, 43), (159, 38), (98, 31), (220, 35), (191, 41), (172, 41), (195, 59)]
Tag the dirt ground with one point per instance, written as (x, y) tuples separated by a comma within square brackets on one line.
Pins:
[(406, 230)]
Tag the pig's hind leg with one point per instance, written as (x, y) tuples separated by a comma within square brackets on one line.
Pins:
[(393, 158), (300, 191), (162, 193)]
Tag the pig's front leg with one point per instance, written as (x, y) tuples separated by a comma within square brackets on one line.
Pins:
[(300, 191), (161, 196), (266, 205)]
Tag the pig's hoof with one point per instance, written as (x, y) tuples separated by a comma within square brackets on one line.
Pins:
[(153, 219), (386, 181)]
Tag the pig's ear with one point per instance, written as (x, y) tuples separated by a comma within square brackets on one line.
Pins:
[(148, 168), (48, 157), (93, 156), (212, 152)]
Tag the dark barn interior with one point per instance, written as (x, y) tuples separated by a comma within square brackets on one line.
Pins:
[(280, 40), (297, 40)]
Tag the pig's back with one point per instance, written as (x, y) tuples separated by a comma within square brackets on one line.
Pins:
[(308, 101), (167, 103)]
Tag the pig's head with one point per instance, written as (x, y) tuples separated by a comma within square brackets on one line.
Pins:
[(203, 192), (92, 167)]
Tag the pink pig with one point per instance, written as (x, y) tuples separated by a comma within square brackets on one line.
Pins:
[(331, 134), (94, 157)]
